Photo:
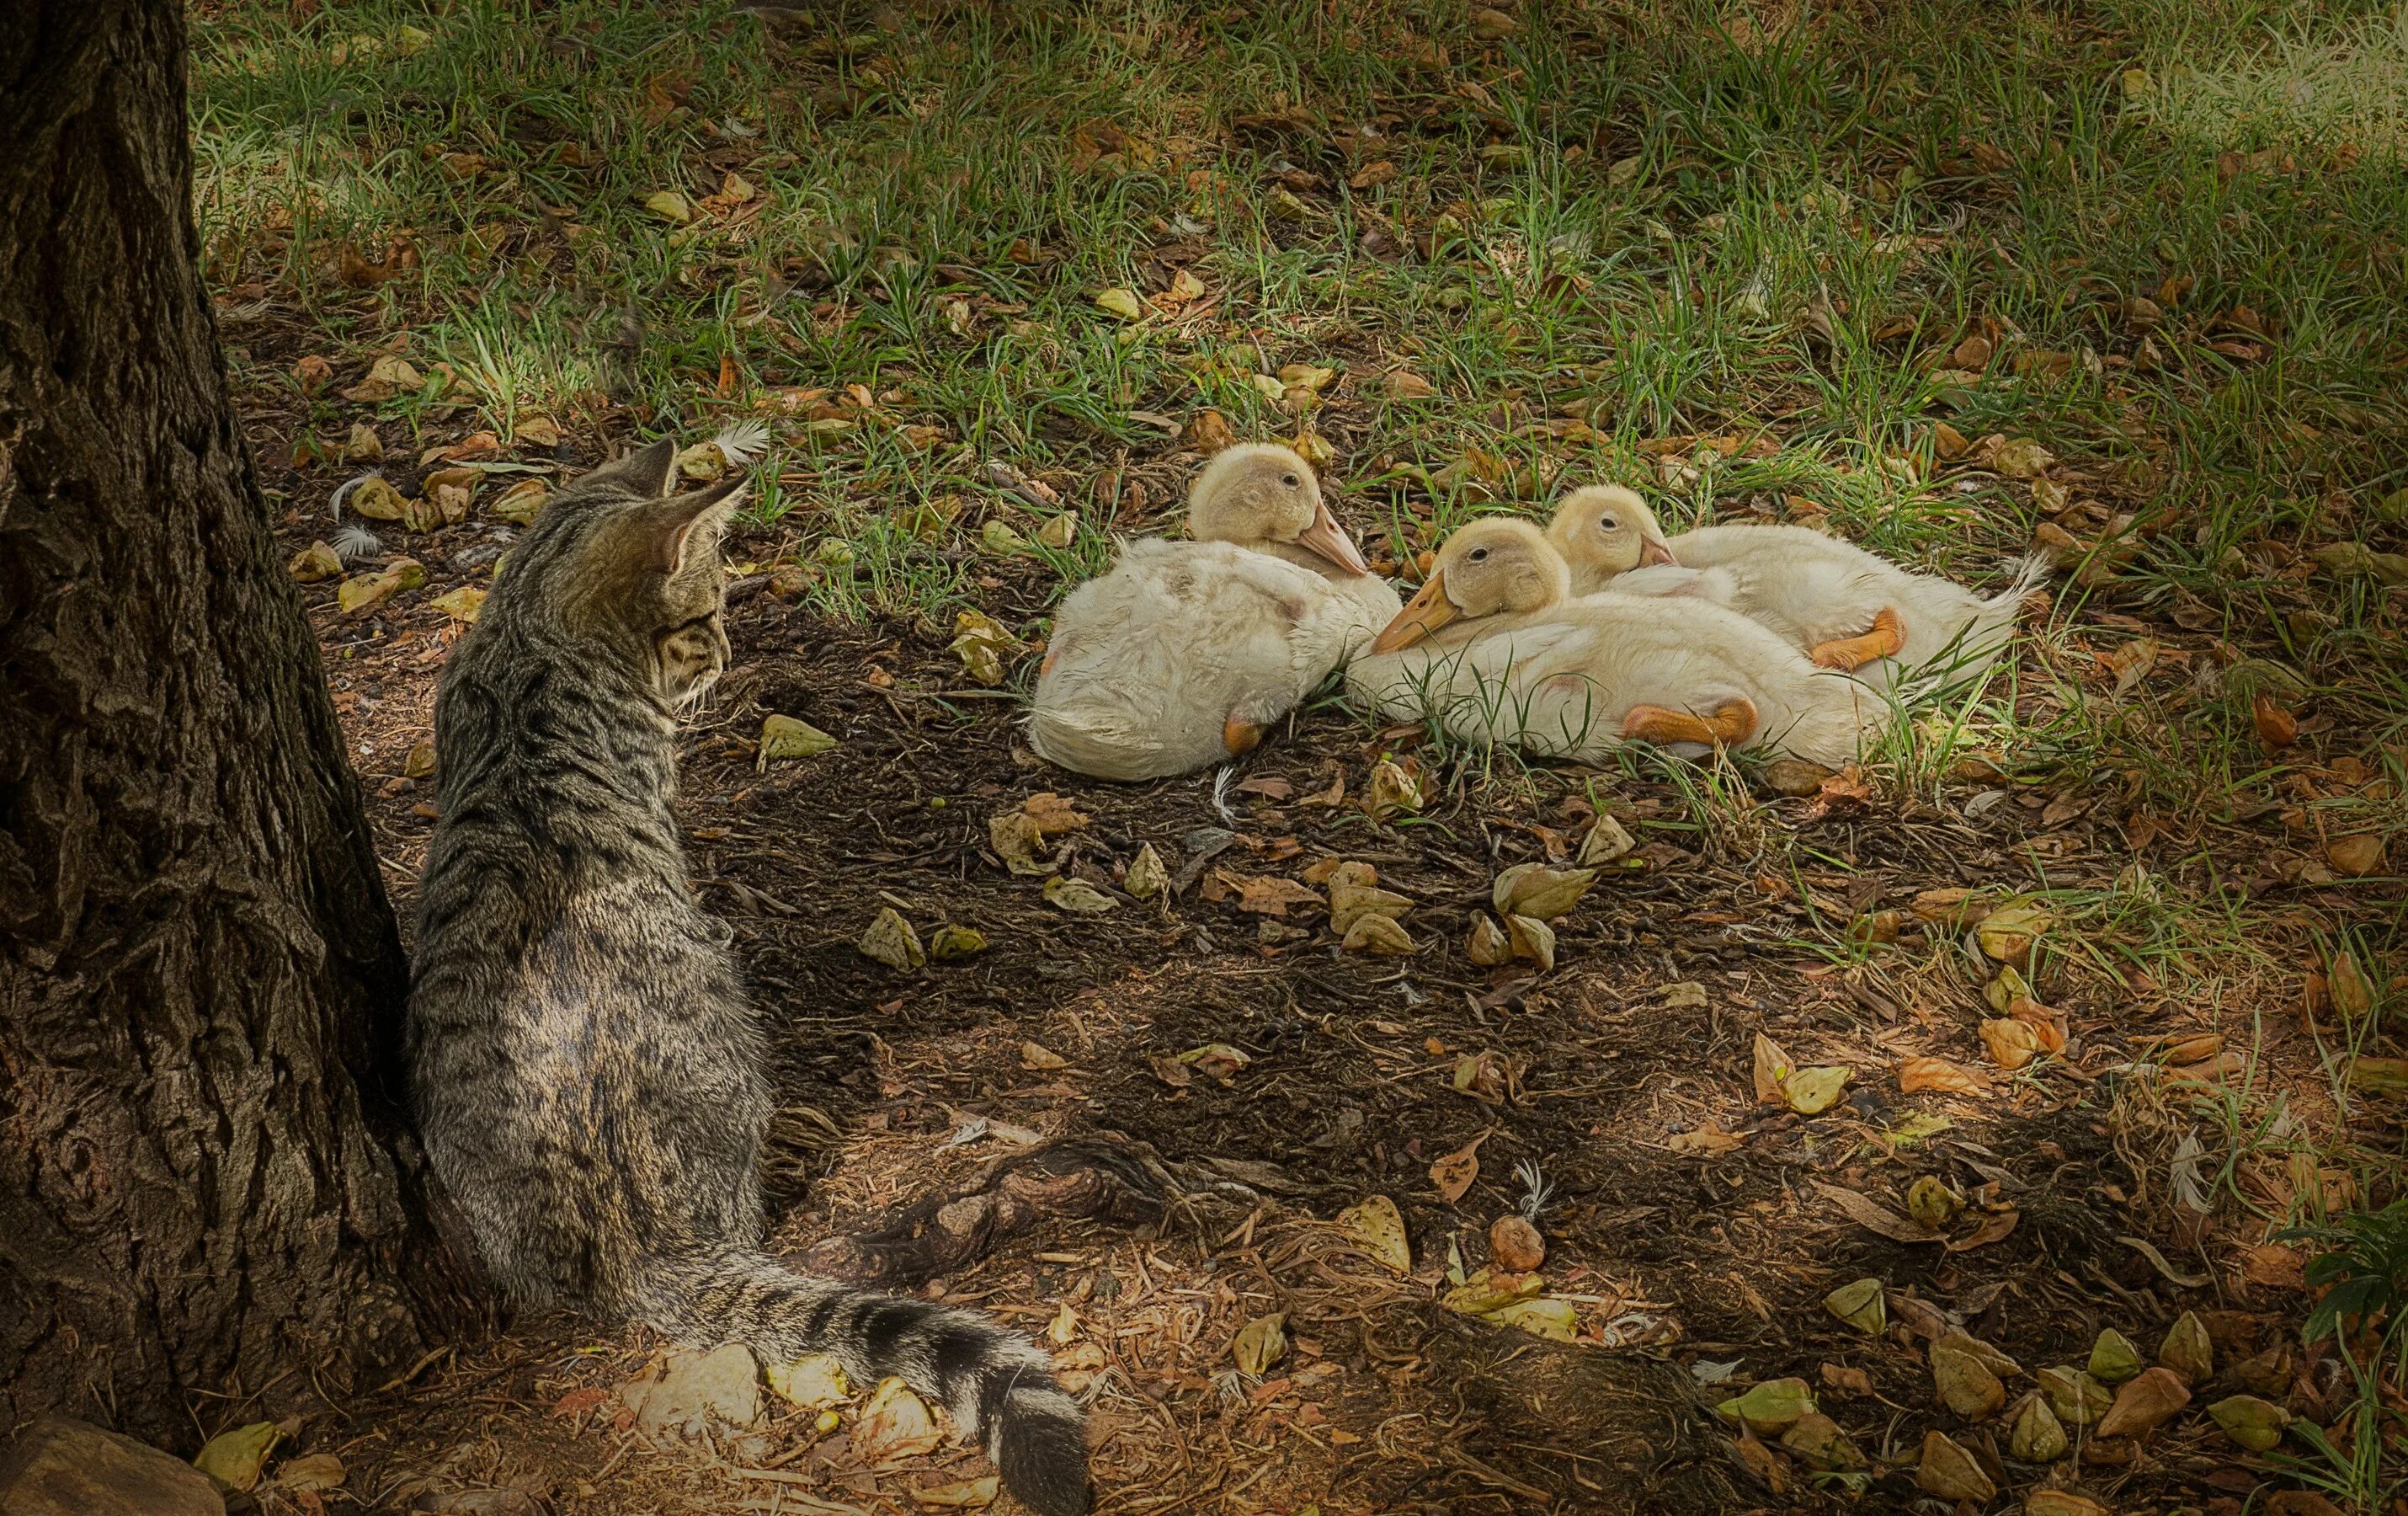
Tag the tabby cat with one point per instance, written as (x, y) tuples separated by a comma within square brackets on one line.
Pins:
[(587, 1068)]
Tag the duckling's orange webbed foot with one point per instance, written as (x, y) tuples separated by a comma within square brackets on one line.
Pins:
[(1241, 737), (1733, 721), (1844, 653)]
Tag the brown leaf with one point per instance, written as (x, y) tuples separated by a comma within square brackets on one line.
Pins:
[(1208, 431), (1273, 894), (1870, 1214), (1270, 786), (1709, 1139), (1918, 1074), (356, 272), (1847, 1383), (1771, 1070), (1992, 1229), (2355, 856), (2145, 1404), (1452, 1175), (1052, 813)]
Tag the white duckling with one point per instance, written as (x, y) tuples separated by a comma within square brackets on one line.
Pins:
[(1494, 648), (1844, 607), (1183, 653)]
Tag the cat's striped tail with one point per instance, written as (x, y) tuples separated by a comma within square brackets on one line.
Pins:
[(998, 1387)]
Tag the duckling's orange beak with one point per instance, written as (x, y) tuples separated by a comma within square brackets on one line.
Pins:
[(1425, 612), (1326, 538), (1652, 552)]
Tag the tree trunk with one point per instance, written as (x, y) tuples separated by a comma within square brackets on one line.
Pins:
[(200, 977)]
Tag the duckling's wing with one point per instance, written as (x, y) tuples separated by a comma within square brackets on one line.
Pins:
[(1152, 658)]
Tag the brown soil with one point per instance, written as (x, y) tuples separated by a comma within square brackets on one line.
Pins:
[(1677, 1261)]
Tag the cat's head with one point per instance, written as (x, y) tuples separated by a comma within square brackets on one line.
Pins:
[(626, 567)]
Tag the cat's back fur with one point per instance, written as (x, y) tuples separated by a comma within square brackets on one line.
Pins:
[(586, 1064)]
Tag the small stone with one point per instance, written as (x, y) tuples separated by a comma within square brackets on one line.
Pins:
[(65, 1468)]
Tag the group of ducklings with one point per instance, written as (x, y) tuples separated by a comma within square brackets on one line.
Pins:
[(1567, 643)]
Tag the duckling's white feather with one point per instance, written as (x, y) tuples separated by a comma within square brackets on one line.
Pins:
[(1560, 682), (1149, 660)]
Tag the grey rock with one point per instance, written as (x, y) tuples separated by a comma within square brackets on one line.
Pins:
[(65, 1467)]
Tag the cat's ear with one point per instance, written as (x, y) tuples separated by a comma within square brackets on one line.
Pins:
[(682, 525), (646, 473)]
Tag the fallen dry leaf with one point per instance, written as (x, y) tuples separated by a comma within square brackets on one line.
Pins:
[(897, 1423), (1948, 1471), (1860, 1305), (1260, 1343), (962, 1494), (2144, 1404), (1916, 1076), (1874, 1216), (1709, 1139), (789, 737), (1378, 1228), (1052, 814), (232, 1459), (1452, 1175), (891, 941), (1077, 896), (1771, 1068)]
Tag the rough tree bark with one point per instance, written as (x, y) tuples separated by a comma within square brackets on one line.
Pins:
[(199, 971)]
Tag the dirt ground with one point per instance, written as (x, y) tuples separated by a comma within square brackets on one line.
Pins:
[(1694, 1267)]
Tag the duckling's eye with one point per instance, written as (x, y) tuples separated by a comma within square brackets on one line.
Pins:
[(1478, 555), (1608, 523), (1290, 481)]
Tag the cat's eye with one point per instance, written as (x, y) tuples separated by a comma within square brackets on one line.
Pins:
[(1290, 481)]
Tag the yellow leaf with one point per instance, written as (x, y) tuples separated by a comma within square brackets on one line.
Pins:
[(895, 1424), (1378, 1228), (461, 604), (1120, 302), (891, 941), (963, 1494), (1813, 1091), (316, 562), (785, 737), (813, 1382), (1260, 1343), (1771, 1071), (1554, 1320), (232, 1459), (670, 207)]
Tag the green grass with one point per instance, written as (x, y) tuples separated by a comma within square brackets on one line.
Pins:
[(2179, 225)]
